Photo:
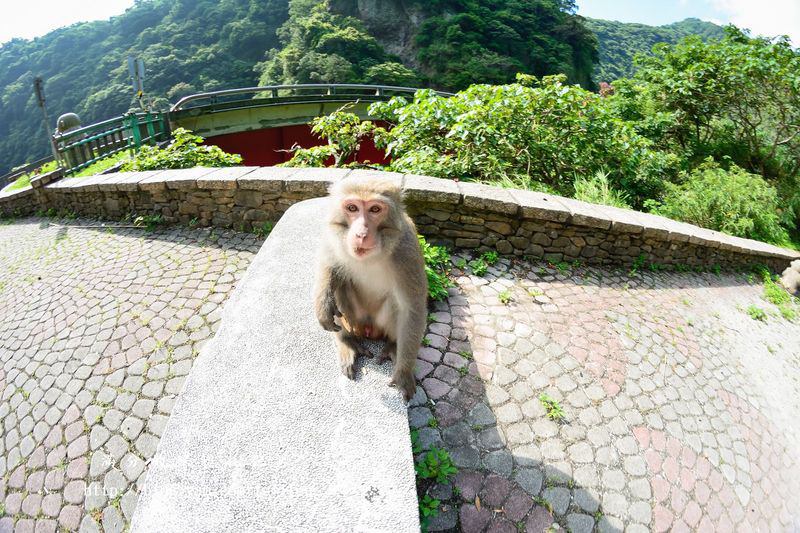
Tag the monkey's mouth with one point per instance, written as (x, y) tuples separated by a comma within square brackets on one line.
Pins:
[(361, 252)]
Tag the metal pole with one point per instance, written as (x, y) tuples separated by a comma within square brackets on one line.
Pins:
[(38, 88)]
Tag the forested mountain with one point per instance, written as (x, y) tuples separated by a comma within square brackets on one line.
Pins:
[(196, 45), (199, 45), (187, 46), (619, 42)]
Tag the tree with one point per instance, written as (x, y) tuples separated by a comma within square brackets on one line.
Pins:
[(736, 99), (391, 73)]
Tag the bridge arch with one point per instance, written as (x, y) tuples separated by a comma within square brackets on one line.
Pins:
[(264, 123)]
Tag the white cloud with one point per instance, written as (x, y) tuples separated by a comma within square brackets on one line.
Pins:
[(764, 17)]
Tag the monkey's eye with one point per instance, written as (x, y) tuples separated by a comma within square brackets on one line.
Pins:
[(375, 209), (352, 208)]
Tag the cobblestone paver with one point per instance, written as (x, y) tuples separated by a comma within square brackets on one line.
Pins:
[(680, 409), (98, 329)]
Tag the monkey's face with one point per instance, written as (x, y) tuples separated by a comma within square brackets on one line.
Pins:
[(364, 219)]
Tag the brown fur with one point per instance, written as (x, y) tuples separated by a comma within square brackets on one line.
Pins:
[(382, 297)]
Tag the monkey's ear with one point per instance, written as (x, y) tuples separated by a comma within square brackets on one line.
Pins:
[(401, 197)]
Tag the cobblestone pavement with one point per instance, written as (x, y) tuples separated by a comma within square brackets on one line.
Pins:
[(680, 410), (98, 329)]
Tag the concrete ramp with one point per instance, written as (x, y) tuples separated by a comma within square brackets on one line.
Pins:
[(267, 434)]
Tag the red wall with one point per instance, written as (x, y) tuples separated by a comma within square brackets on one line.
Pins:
[(263, 147)]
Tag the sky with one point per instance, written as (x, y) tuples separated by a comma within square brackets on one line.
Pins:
[(762, 17), (32, 18)]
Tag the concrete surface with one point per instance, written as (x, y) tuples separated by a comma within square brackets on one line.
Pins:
[(267, 435)]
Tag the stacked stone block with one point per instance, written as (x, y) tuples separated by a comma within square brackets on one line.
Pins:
[(462, 214)]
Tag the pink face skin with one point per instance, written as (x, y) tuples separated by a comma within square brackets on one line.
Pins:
[(364, 218)]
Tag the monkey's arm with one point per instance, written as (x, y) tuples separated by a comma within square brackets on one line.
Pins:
[(411, 328), (328, 282), (412, 311)]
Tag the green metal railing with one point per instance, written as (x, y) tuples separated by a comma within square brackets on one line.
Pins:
[(82, 147), (282, 94)]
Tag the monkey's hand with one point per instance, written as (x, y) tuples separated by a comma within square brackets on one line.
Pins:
[(326, 313)]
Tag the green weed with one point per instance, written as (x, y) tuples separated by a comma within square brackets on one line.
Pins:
[(505, 296), (263, 229), (437, 258), (490, 257), (637, 264), (428, 508), (756, 313), (535, 291), (437, 465), (149, 222), (554, 411), (479, 266)]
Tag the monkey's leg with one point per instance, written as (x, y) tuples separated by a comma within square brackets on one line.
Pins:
[(389, 351), (348, 349)]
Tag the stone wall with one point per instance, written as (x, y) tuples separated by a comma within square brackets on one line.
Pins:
[(467, 215)]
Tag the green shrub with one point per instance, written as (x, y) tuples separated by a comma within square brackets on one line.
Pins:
[(437, 259), (597, 190), (535, 134), (184, 151), (732, 201), (316, 156), (344, 132)]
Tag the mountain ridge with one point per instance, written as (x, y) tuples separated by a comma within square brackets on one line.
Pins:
[(619, 42)]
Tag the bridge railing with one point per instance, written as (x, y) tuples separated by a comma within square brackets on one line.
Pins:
[(81, 147), (279, 94)]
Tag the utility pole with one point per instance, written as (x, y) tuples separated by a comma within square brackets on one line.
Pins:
[(136, 70), (38, 88)]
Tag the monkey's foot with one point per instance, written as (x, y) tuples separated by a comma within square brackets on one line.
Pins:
[(388, 352), (349, 370), (404, 382), (347, 356)]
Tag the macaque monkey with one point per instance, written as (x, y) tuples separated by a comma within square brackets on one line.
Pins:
[(371, 281)]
